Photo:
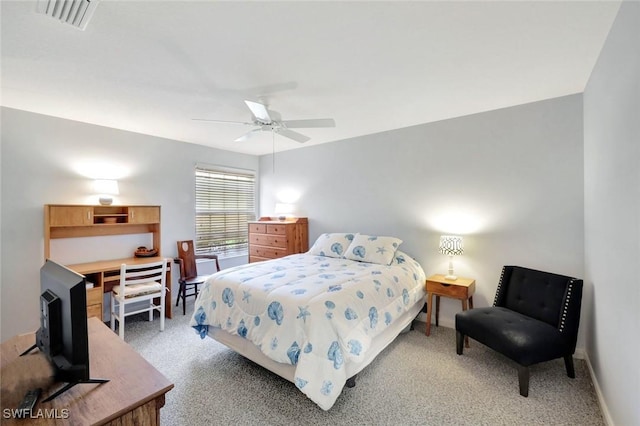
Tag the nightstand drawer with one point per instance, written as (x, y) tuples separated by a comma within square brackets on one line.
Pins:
[(450, 290)]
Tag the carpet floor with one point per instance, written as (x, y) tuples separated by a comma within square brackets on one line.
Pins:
[(417, 380)]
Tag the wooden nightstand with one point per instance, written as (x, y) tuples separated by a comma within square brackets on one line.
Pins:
[(462, 289)]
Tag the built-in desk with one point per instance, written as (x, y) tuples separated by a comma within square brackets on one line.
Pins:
[(104, 274), (133, 395)]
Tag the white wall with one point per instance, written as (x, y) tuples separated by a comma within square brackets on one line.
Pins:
[(509, 180), (40, 158), (612, 217)]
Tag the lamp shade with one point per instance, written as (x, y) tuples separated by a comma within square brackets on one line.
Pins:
[(451, 245), (106, 187)]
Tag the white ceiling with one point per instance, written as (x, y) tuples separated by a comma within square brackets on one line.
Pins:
[(152, 66)]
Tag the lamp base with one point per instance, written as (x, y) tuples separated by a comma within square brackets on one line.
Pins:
[(450, 277), (106, 201)]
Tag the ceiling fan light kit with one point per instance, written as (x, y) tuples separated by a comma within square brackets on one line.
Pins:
[(269, 121)]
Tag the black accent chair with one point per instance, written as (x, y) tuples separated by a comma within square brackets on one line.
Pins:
[(534, 318)]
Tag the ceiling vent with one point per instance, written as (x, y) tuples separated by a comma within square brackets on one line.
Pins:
[(72, 12)]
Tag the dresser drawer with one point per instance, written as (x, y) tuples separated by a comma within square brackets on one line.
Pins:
[(268, 240), (268, 252), (258, 228), (276, 229)]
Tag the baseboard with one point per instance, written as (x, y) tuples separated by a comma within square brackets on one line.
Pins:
[(601, 401)]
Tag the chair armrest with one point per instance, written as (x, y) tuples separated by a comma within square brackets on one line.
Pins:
[(209, 256), (181, 263)]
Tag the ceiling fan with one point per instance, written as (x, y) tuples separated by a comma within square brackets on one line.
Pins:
[(269, 121)]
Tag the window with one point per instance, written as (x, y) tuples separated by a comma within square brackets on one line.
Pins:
[(225, 202)]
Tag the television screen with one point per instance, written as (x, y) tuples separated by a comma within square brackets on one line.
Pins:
[(63, 335)]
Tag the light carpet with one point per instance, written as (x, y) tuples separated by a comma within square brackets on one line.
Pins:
[(417, 380)]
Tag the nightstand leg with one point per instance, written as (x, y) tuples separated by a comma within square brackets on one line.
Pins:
[(464, 308), (437, 309), (429, 306)]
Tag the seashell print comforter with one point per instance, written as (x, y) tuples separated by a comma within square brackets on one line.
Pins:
[(313, 312)]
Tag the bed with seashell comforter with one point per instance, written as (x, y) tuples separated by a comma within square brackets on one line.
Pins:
[(318, 318)]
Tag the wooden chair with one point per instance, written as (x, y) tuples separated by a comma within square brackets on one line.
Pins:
[(139, 283), (189, 272)]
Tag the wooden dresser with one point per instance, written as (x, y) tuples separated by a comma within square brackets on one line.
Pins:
[(271, 238)]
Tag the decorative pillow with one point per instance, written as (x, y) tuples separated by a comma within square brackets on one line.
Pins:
[(400, 258), (331, 245), (373, 249)]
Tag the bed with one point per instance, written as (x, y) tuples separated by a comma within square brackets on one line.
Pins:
[(318, 318)]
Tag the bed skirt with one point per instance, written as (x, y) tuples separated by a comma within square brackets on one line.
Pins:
[(247, 349)]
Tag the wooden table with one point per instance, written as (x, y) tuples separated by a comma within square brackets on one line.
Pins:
[(438, 285), (134, 394)]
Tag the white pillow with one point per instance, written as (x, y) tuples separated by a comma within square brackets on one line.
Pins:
[(331, 245), (373, 249)]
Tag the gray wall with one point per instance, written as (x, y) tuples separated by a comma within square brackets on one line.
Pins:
[(509, 180), (40, 158), (612, 215)]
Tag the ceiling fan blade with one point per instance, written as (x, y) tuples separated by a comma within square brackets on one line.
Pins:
[(248, 135), (259, 111), (317, 122), (223, 121), (298, 137)]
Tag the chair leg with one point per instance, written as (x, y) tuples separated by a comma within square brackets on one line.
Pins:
[(179, 293), (113, 313), (568, 363), (121, 319), (459, 342), (523, 380), (162, 310), (184, 300)]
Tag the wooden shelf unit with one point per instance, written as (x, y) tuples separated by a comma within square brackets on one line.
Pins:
[(74, 221), (271, 238)]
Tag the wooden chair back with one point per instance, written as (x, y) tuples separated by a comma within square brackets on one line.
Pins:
[(187, 254)]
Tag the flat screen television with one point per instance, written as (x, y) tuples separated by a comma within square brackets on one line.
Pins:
[(63, 334)]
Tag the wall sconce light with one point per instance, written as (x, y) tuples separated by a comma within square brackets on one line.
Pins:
[(451, 245), (105, 188), (284, 210)]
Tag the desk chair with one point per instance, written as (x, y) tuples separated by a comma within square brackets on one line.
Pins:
[(139, 283), (189, 272)]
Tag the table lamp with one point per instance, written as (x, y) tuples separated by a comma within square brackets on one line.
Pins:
[(451, 245), (105, 188), (283, 210)]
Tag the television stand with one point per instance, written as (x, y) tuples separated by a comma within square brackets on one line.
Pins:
[(72, 384), (65, 378)]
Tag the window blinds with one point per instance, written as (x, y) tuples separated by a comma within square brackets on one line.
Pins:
[(225, 202)]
